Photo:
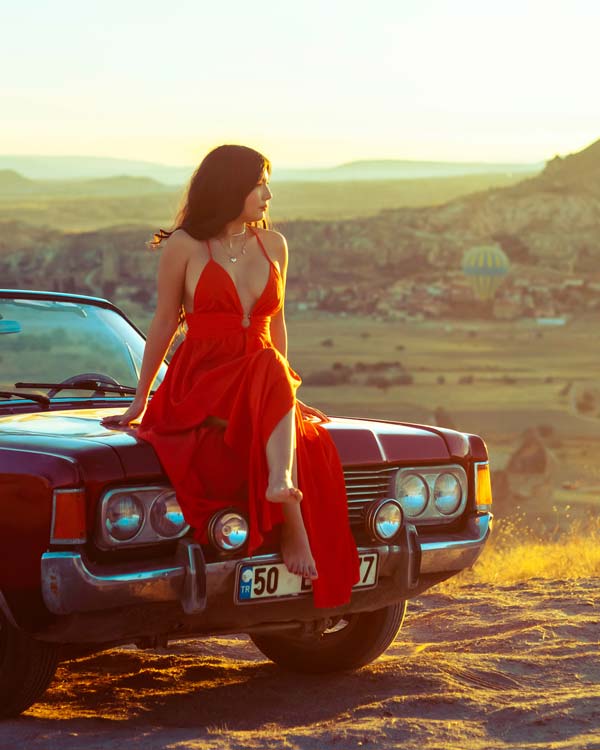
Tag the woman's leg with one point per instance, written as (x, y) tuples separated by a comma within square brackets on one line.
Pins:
[(283, 488), (280, 459)]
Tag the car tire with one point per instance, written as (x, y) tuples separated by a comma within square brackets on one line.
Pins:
[(27, 667), (356, 640)]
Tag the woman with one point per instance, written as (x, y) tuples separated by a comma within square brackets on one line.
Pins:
[(225, 422)]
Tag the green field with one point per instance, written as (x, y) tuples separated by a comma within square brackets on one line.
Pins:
[(520, 372), (80, 211), (515, 368)]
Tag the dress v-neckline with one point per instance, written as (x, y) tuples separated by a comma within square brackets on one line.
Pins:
[(235, 289), (245, 316)]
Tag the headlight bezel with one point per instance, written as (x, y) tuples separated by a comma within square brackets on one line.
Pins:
[(436, 500), (151, 513), (408, 475), (107, 512), (430, 515), (146, 535), (371, 519), (212, 531)]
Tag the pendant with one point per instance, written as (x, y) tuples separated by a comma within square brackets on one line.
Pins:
[(232, 259)]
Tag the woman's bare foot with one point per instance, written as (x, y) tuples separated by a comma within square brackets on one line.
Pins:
[(283, 491), (295, 547)]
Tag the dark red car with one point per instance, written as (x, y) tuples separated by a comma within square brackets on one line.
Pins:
[(94, 548)]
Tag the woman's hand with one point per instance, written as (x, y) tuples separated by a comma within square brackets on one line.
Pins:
[(310, 411), (122, 420)]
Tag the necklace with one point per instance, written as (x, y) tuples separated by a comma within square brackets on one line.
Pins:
[(234, 258)]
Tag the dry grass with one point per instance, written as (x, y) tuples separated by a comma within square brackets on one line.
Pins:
[(517, 552)]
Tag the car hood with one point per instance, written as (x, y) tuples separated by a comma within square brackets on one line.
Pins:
[(358, 441), (77, 433)]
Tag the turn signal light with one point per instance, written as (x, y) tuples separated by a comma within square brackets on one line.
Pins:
[(68, 517), (483, 486)]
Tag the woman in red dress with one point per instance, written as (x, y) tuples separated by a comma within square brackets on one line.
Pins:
[(225, 421)]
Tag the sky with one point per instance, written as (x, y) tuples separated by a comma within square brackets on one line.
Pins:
[(309, 82)]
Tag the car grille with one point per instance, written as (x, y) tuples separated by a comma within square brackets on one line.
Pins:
[(365, 485)]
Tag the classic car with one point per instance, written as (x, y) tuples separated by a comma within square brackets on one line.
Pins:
[(95, 550)]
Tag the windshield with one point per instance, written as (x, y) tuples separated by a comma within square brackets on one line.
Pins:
[(47, 340)]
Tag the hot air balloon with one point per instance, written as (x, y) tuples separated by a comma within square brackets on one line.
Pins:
[(486, 266)]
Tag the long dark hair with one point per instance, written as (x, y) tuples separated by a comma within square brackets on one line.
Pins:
[(217, 191)]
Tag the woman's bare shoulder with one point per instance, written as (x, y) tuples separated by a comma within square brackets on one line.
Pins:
[(275, 243), (181, 238), (181, 244), (270, 235)]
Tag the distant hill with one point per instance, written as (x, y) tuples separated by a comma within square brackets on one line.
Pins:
[(396, 169), (82, 205), (123, 184), (15, 184), (90, 167), (551, 219), (579, 170), (548, 226)]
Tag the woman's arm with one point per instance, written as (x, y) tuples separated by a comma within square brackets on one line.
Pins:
[(279, 332), (171, 278), (278, 327)]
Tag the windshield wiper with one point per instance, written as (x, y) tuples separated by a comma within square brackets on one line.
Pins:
[(82, 385), (41, 400)]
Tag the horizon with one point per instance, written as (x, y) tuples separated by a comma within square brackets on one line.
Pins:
[(323, 166), (322, 85)]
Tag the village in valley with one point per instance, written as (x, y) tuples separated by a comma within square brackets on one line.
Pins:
[(450, 296), (128, 279), (404, 264)]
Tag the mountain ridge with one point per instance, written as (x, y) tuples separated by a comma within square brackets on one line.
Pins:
[(82, 167), (13, 183)]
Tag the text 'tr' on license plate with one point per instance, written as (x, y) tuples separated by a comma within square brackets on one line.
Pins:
[(274, 580)]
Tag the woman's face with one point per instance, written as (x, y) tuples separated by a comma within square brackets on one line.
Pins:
[(257, 200)]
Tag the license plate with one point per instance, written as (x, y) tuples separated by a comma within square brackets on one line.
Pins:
[(274, 580)]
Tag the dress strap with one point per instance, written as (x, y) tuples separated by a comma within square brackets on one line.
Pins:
[(265, 253)]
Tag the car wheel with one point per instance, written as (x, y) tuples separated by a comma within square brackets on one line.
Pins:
[(26, 668), (355, 640)]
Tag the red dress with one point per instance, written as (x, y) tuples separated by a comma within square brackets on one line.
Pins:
[(232, 371)]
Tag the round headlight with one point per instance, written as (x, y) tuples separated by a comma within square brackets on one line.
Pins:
[(166, 515), (412, 493), (124, 517), (447, 493), (228, 530), (384, 519)]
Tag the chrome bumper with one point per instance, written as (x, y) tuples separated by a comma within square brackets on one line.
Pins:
[(458, 552), (71, 584)]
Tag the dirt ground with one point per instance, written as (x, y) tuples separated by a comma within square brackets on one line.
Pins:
[(483, 667)]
